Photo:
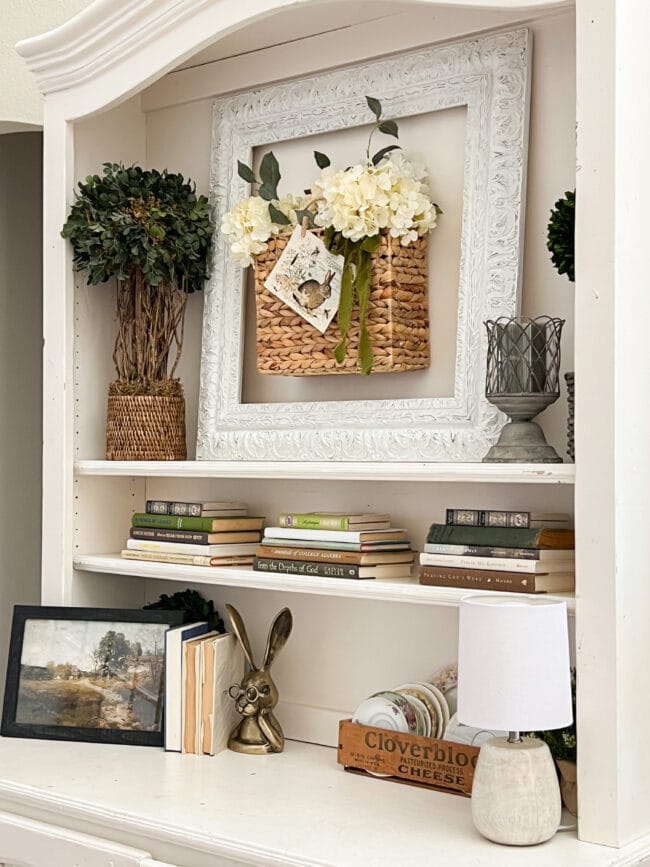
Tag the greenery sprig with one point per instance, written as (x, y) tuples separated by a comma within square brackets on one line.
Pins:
[(561, 235), (356, 281), (388, 127), (192, 602)]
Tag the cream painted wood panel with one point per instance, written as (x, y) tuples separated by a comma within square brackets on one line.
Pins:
[(28, 843), (294, 809)]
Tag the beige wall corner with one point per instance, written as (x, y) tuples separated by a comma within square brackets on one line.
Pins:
[(21, 107)]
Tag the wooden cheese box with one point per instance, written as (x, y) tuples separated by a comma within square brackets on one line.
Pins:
[(437, 764)]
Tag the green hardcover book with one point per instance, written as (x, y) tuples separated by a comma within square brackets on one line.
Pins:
[(201, 525), (502, 537), (333, 521)]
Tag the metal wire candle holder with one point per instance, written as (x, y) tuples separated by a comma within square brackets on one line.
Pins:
[(522, 380)]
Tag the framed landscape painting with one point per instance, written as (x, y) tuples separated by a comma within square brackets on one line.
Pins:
[(87, 674)]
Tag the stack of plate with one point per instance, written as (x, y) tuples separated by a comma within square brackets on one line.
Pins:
[(413, 708)]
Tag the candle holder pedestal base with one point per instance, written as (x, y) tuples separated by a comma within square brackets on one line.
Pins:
[(522, 440)]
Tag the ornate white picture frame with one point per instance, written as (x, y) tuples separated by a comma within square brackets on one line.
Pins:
[(490, 75)]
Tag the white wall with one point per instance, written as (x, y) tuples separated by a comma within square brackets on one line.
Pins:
[(21, 105), (20, 375)]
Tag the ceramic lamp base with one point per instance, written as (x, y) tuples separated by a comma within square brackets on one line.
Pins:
[(515, 794)]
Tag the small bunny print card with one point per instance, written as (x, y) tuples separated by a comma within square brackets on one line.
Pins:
[(307, 278)]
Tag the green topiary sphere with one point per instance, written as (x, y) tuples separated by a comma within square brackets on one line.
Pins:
[(561, 235)]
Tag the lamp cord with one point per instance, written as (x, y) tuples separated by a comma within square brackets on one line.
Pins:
[(573, 827)]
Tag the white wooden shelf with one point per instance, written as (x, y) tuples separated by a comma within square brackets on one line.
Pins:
[(295, 808), (536, 474), (386, 590)]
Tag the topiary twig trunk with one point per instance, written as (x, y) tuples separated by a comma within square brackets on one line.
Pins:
[(150, 323)]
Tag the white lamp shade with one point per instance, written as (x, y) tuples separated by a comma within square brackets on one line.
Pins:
[(513, 664)]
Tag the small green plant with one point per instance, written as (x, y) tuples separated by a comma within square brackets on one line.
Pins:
[(191, 601), (562, 742), (561, 235), (153, 234)]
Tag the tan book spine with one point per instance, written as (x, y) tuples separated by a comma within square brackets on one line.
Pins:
[(187, 559), (320, 555), (475, 579), (189, 704), (207, 697)]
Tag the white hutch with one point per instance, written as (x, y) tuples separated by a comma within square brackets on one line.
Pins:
[(134, 81)]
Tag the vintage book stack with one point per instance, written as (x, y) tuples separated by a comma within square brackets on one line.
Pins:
[(201, 666), (335, 545), (194, 534), (517, 552)]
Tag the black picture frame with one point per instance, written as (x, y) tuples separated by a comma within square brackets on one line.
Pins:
[(22, 614)]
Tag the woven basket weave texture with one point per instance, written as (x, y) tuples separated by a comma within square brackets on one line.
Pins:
[(145, 428), (397, 319)]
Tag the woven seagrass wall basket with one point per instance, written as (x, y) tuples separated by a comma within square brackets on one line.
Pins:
[(398, 318)]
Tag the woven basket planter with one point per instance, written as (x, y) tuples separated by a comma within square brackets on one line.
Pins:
[(145, 428), (397, 319)]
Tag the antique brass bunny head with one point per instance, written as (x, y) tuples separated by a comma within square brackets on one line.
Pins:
[(259, 732)]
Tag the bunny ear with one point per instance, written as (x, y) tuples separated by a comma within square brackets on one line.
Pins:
[(240, 631), (280, 631)]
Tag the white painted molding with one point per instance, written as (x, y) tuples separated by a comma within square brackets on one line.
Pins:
[(105, 34), (489, 75)]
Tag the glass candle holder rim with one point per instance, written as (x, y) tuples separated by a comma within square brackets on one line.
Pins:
[(525, 320)]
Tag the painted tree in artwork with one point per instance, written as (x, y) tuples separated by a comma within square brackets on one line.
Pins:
[(111, 652)]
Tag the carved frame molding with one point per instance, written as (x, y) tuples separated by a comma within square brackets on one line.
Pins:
[(490, 75)]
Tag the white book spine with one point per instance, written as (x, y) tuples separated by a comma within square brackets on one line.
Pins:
[(326, 535), (496, 564)]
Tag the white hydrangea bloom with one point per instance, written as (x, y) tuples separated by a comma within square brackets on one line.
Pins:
[(364, 199), (288, 205), (248, 227)]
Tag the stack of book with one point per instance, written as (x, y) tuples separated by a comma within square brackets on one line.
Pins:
[(518, 552), (335, 545), (200, 669), (194, 534)]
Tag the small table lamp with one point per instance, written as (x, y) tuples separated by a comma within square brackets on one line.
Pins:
[(514, 675)]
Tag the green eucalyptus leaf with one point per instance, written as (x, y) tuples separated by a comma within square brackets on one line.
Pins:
[(277, 216), (245, 172), (378, 157), (374, 105), (365, 353), (322, 160), (270, 177), (328, 238), (389, 127), (371, 244)]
